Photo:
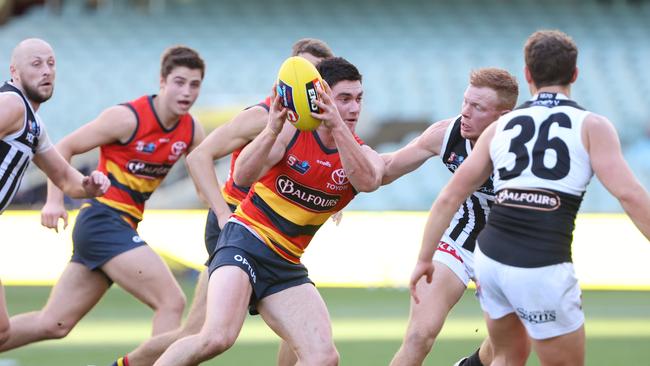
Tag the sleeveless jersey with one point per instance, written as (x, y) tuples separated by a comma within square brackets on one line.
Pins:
[(470, 218), (296, 196), (137, 167), (541, 171), (231, 192), (19, 148)]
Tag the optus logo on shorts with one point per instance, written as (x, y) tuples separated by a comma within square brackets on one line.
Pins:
[(239, 258), (309, 198)]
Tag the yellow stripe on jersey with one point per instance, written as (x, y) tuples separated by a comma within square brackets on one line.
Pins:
[(131, 210), (268, 234), (139, 184), (229, 199), (289, 210)]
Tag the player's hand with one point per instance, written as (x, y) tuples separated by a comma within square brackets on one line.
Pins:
[(96, 184), (337, 217), (277, 113), (329, 113), (50, 215), (422, 268)]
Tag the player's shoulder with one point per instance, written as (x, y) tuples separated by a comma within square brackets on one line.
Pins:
[(12, 104)]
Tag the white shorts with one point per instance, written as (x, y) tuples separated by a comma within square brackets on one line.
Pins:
[(458, 259), (546, 299)]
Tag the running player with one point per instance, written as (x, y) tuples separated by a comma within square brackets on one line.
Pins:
[(23, 137), (542, 156), (139, 143), (256, 265), (490, 94), (227, 139)]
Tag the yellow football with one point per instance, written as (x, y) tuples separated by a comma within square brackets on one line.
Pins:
[(297, 83)]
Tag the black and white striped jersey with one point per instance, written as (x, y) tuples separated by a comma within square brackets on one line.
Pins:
[(541, 171), (470, 218), (18, 149)]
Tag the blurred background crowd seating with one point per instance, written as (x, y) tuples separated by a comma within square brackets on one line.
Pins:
[(415, 56)]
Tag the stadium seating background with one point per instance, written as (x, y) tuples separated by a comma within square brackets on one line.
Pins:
[(415, 56)]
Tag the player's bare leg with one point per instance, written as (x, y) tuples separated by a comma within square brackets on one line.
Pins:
[(143, 273), (509, 339), (4, 316), (229, 292), (299, 316), (565, 350), (75, 293), (426, 318)]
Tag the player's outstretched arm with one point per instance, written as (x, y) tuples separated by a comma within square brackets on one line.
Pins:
[(115, 124), (413, 155), (267, 148), (602, 143), (467, 179)]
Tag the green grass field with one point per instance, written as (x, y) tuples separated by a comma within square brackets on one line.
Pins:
[(368, 326)]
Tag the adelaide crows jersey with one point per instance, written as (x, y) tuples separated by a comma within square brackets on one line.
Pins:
[(296, 196), (136, 168)]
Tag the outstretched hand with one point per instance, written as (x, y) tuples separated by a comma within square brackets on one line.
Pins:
[(95, 184), (421, 269), (329, 114)]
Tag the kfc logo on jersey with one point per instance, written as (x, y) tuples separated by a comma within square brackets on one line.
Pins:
[(177, 149), (296, 164)]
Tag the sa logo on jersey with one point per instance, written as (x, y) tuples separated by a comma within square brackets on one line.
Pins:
[(296, 164)]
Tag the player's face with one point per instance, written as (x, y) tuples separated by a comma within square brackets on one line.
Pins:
[(180, 89), (348, 97), (34, 72), (480, 109)]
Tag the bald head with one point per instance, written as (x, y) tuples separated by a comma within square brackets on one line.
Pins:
[(33, 69)]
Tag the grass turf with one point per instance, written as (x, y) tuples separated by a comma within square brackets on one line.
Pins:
[(368, 325)]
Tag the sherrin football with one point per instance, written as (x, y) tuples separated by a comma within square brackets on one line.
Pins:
[(297, 83)]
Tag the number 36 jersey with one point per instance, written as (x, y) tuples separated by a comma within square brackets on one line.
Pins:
[(541, 171)]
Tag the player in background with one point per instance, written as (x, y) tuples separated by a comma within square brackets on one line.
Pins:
[(23, 137), (139, 142), (227, 139), (542, 156), (491, 93)]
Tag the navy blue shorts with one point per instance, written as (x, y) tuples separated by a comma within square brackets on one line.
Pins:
[(101, 233), (268, 273), (212, 232)]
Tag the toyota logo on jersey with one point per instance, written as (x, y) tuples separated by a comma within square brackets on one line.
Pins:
[(339, 177)]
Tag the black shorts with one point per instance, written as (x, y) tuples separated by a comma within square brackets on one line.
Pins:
[(101, 233), (268, 273)]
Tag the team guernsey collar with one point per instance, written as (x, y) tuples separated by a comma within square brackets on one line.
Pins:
[(549, 100)]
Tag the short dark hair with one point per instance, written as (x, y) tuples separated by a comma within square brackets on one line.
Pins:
[(335, 69), (313, 46), (499, 80), (551, 58), (176, 56)]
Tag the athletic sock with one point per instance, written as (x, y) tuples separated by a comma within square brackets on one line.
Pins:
[(122, 361), (473, 360)]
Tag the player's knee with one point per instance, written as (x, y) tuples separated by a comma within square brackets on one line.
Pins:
[(174, 303), (4, 333), (217, 343), (326, 356), (420, 340), (56, 329)]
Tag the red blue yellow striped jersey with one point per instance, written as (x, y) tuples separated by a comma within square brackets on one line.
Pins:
[(297, 195), (232, 193), (136, 168)]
